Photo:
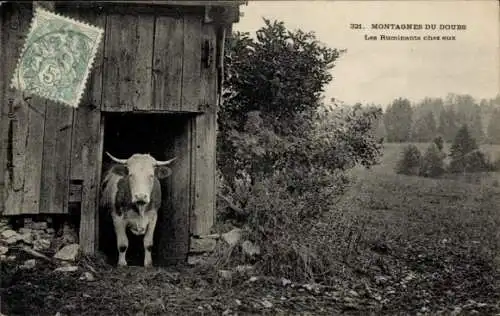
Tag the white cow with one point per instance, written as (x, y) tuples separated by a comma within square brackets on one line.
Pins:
[(131, 193)]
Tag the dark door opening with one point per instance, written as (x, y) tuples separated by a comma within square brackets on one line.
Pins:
[(163, 136)]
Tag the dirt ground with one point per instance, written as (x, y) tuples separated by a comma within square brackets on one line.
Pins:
[(156, 291)]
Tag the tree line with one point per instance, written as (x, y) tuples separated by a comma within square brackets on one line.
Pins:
[(422, 121)]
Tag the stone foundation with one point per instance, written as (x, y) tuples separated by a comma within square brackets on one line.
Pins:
[(42, 234)]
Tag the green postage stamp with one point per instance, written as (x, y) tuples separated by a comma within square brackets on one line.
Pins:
[(57, 57)]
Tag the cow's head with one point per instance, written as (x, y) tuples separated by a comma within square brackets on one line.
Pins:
[(141, 170)]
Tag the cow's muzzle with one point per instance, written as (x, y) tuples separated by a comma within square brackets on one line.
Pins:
[(141, 199), (138, 230)]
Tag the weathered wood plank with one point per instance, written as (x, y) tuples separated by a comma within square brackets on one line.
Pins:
[(88, 111), (128, 63), (205, 139), (56, 159), (34, 144), (15, 127), (86, 140), (87, 125), (92, 96), (34, 155), (167, 69), (191, 69)]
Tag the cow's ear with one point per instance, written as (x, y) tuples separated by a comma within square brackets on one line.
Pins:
[(120, 170), (163, 172)]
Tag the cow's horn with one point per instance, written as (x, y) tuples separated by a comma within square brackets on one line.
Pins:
[(164, 163), (122, 161)]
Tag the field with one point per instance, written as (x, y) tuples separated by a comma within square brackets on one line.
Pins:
[(392, 153), (428, 246)]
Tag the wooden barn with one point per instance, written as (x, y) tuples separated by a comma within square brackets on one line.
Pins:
[(154, 87)]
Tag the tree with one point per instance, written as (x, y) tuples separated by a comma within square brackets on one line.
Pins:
[(280, 75), (462, 145), (432, 164), (409, 163), (447, 124), (398, 121), (273, 85), (438, 140), (494, 127), (476, 124), (424, 128)]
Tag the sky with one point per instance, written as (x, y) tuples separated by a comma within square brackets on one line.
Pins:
[(378, 71)]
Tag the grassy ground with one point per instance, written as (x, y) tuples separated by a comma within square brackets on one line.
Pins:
[(426, 246)]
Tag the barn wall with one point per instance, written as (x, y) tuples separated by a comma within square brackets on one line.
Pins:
[(170, 67), (23, 126)]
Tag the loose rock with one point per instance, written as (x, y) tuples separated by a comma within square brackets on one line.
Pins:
[(51, 231), (196, 260), (67, 269), (87, 276), (225, 274), (27, 238), (9, 233), (250, 248), (202, 245), (233, 237), (12, 240), (267, 304), (29, 264), (245, 269), (24, 230), (41, 244), (3, 250), (68, 252), (285, 282)]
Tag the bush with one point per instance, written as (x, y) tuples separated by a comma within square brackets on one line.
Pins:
[(476, 161), (462, 146), (432, 163), (439, 141), (409, 164), (282, 156)]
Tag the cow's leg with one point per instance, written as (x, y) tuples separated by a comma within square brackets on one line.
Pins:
[(148, 238), (121, 238)]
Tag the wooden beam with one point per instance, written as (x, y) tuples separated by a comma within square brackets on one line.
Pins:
[(205, 144)]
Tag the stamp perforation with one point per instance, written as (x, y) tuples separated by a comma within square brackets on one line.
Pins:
[(15, 82)]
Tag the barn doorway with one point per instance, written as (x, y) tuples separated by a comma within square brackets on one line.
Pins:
[(163, 136)]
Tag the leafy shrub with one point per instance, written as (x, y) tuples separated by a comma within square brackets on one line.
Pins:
[(495, 165), (282, 156), (463, 144), (476, 161), (409, 163), (432, 163)]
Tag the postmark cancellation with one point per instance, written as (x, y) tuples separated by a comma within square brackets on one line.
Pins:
[(57, 57)]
